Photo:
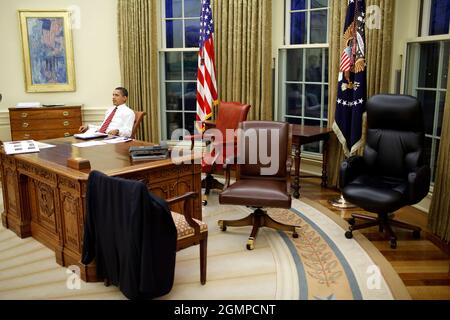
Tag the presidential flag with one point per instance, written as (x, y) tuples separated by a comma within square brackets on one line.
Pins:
[(351, 94), (206, 75)]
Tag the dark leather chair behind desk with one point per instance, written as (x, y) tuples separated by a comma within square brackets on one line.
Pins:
[(392, 173), (255, 188)]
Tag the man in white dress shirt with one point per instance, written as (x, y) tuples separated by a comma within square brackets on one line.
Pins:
[(119, 119)]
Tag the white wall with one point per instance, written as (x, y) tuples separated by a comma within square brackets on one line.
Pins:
[(406, 26), (96, 57)]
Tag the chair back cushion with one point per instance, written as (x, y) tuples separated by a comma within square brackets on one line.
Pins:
[(255, 150), (138, 116), (395, 135), (230, 114)]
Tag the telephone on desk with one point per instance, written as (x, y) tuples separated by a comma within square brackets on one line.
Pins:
[(156, 152)]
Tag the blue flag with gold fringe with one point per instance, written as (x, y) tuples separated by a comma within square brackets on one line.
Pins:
[(352, 87)]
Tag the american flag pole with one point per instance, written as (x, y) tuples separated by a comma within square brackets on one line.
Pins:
[(206, 75), (351, 95)]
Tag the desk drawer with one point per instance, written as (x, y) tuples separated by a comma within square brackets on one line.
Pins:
[(30, 125), (42, 135), (45, 114)]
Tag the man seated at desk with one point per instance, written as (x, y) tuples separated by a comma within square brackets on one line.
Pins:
[(119, 119)]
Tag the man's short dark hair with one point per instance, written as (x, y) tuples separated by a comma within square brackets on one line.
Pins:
[(123, 91)]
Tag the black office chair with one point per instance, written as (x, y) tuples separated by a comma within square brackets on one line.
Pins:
[(392, 173)]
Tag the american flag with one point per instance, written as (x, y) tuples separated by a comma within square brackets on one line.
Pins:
[(352, 85), (346, 60), (206, 76)]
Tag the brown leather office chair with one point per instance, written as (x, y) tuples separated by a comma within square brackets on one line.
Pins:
[(254, 188), (138, 117)]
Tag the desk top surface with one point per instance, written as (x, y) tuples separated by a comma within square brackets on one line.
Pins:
[(112, 159), (309, 131)]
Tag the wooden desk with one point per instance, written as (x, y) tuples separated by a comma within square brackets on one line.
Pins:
[(306, 134), (45, 199)]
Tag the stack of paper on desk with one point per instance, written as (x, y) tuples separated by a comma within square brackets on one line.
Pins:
[(90, 135), (28, 105)]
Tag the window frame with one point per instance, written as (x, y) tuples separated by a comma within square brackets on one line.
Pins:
[(287, 17), (162, 50), (415, 88), (280, 111), (424, 15), (425, 19)]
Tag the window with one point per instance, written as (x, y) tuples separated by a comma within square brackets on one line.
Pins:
[(427, 69), (179, 58), (303, 66), (435, 17), (307, 21)]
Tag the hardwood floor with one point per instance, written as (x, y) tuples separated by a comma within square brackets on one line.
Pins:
[(423, 264)]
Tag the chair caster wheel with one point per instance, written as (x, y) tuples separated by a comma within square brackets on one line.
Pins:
[(416, 235), (349, 235), (351, 221), (393, 243), (251, 244), (295, 235), (205, 203), (222, 226)]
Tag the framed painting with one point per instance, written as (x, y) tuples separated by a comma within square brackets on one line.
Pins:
[(47, 50)]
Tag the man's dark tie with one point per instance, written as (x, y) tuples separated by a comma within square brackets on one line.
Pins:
[(107, 122)]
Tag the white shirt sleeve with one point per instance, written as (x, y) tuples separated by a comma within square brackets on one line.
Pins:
[(127, 123), (123, 121)]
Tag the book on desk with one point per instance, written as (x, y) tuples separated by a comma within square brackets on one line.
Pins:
[(18, 147)]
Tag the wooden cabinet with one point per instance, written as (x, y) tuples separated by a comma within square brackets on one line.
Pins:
[(44, 123)]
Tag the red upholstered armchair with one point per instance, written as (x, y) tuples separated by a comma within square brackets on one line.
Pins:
[(229, 115)]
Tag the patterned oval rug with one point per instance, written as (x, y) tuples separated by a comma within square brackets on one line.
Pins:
[(321, 264)]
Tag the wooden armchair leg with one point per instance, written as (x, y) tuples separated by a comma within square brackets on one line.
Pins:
[(203, 254)]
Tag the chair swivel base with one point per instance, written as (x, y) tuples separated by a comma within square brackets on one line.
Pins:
[(209, 183), (259, 218), (384, 224)]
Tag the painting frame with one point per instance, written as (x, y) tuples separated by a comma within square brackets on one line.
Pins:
[(49, 65)]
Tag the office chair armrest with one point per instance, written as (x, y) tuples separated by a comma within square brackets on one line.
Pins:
[(186, 211), (209, 124), (228, 163), (350, 169), (419, 184)]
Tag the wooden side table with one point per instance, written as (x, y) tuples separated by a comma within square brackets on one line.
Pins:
[(307, 134)]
